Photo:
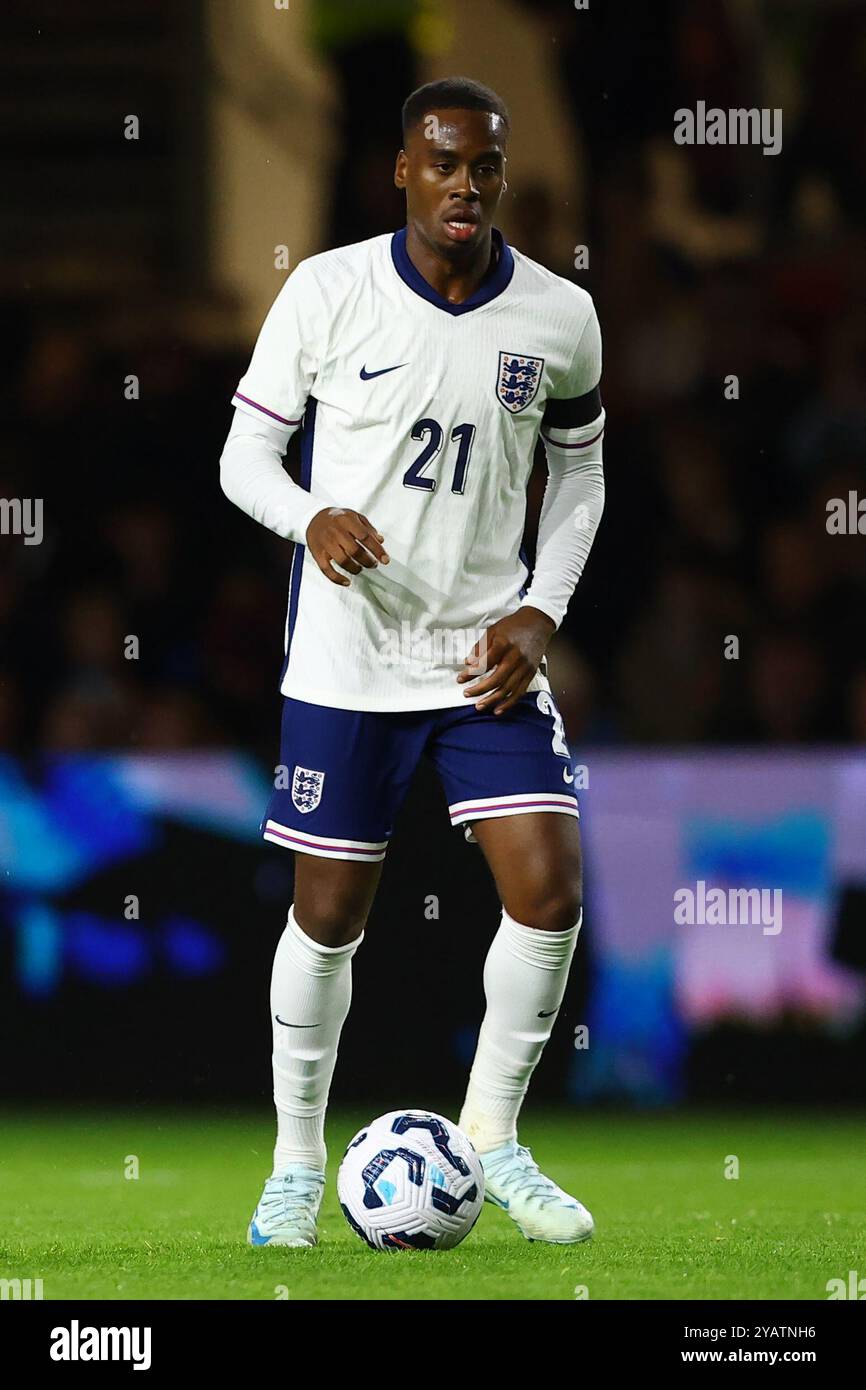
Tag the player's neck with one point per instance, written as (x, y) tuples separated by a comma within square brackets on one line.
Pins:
[(454, 281)]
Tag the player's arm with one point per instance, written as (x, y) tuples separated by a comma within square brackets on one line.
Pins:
[(269, 406), (571, 431), (572, 506), (252, 476)]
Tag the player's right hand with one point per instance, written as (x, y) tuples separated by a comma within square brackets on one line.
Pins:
[(338, 536)]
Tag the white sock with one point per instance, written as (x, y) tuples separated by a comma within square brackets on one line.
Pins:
[(525, 975), (311, 988)]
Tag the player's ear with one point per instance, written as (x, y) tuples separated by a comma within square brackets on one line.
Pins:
[(400, 169)]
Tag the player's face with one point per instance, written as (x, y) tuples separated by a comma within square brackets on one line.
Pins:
[(453, 171)]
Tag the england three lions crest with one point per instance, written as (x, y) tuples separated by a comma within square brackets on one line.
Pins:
[(307, 789), (518, 380)]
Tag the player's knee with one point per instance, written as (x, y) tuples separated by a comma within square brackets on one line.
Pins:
[(559, 911), (550, 908), (332, 919)]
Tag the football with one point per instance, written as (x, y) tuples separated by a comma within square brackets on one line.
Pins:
[(411, 1180)]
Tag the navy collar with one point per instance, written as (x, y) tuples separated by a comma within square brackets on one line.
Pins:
[(495, 281)]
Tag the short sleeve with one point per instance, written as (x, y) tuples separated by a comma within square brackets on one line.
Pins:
[(287, 354)]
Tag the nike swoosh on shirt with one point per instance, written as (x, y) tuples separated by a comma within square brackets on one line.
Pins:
[(294, 1025), (548, 1014), (368, 376)]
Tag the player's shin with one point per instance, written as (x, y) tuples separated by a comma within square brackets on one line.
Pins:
[(311, 990), (525, 975)]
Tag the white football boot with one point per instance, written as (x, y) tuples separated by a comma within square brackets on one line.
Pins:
[(539, 1209), (288, 1208)]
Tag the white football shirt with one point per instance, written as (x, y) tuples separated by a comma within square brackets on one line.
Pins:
[(424, 416)]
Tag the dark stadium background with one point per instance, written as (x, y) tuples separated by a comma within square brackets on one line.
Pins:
[(155, 258)]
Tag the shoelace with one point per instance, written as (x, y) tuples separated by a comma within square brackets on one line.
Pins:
[(530, 1180), (284, 1195)]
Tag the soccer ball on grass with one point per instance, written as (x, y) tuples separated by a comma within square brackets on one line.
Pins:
[(411, 1180)]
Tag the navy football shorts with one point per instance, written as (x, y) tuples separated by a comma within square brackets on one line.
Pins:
[(344, 773)]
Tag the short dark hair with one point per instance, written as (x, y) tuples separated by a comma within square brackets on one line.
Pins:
[(452, 93)]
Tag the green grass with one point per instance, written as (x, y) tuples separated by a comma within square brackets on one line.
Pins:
[(668, 1223)]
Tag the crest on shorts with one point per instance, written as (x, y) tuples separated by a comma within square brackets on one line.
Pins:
[(306, 789), (518, 380)]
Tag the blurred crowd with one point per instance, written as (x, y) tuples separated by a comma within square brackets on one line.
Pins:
[(730, 285)]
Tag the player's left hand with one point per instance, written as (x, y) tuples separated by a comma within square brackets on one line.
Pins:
[(509, 653)]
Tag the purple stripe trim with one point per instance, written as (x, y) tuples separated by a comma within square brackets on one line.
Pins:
[(314, 844), (265, 411), (557, 445), (513, 806)]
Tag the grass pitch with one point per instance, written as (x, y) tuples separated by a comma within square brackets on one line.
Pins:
[(669, 1223)]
